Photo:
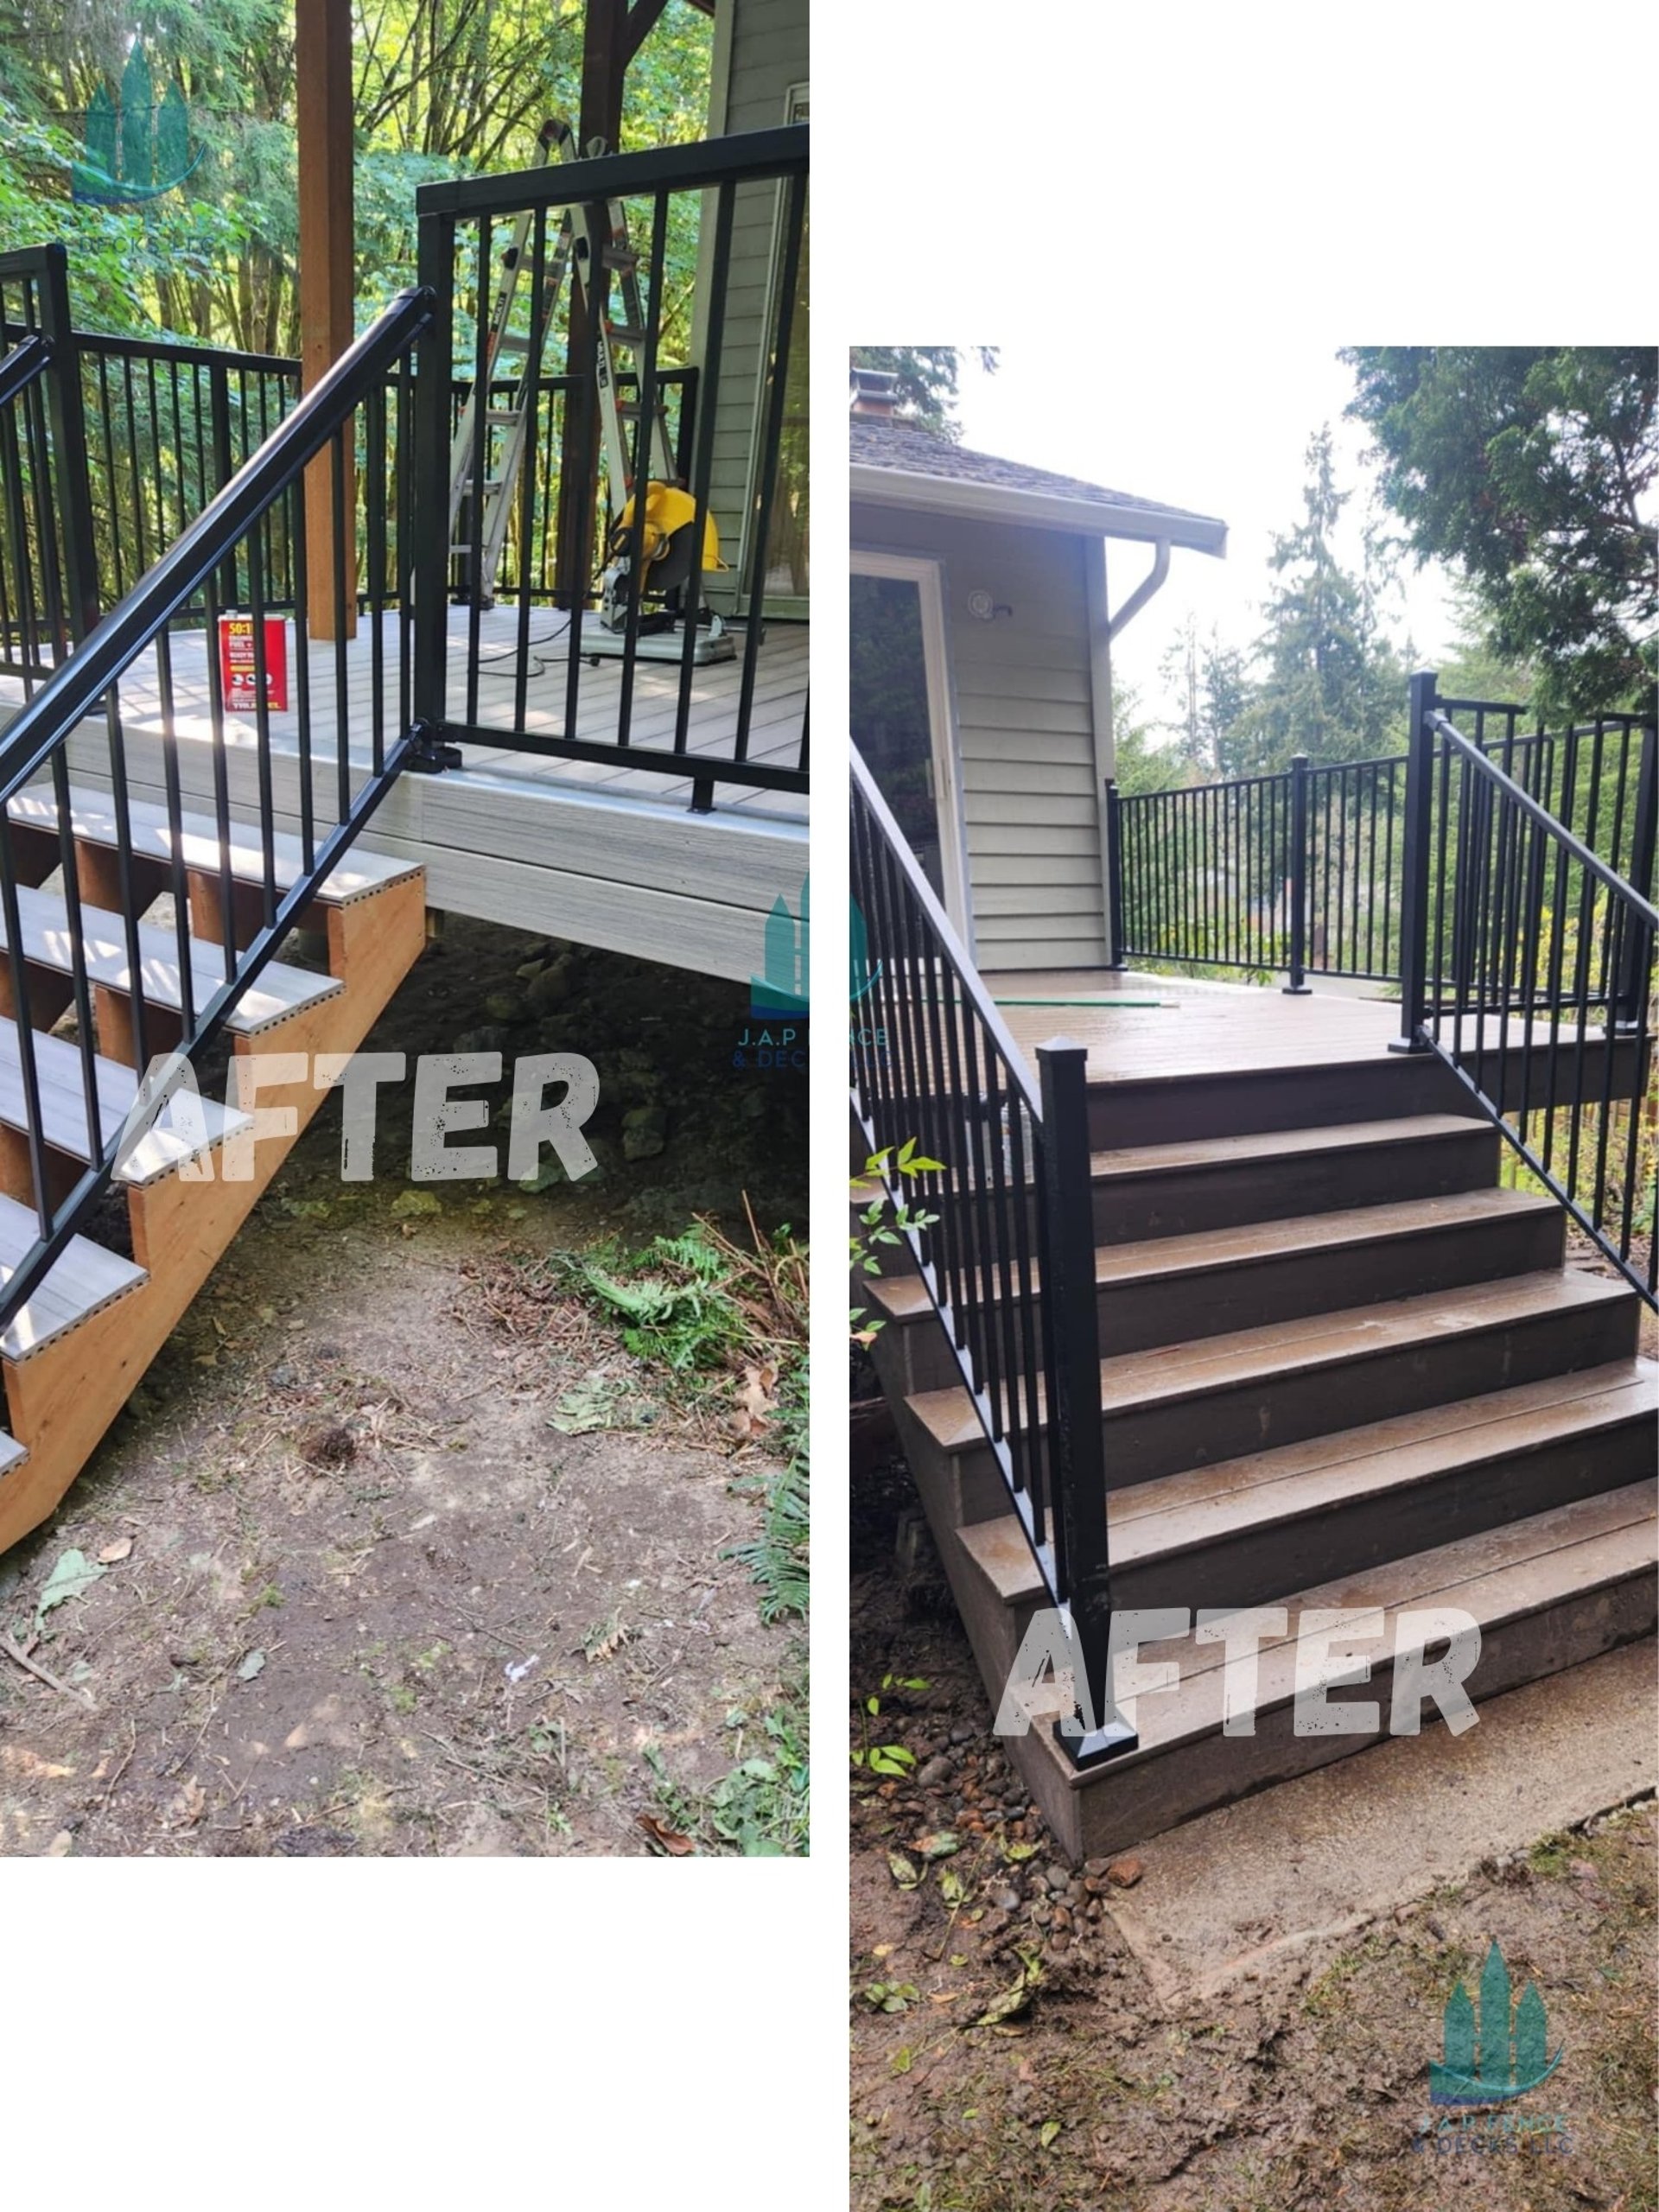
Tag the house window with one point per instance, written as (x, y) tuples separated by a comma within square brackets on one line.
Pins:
[(900, 712)]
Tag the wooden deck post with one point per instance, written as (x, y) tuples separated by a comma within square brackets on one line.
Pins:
[(323, 64)]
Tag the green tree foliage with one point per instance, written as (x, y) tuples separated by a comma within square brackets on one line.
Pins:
[(928, 377), (1215, 693), (443, 87), (1332, 685), (1529, 467)]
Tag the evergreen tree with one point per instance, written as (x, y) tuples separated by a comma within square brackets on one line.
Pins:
[(1331, 684), (1530, 467)]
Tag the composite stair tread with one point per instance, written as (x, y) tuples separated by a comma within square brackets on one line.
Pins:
[(11, 1453), (1276, 1144), (82, 1280), (92, 817), (177, 1134), (1320, 1341), (1210, 1504), (279, 990), (1501, 1575), (1158, 1258)]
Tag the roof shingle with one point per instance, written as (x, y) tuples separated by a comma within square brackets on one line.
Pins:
[(910, 449)]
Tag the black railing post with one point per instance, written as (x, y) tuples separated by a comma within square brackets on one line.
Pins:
[(1077, 1450), (1114, 874), (1298, 985), (1414, 865), (430, 577), (1633, 982), (68, 425)]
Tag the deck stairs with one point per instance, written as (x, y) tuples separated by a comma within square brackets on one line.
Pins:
[(73, 1354), (1344, 1367)]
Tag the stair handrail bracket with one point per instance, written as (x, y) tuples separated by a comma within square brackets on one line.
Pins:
[(1530, 971), (304, 483), (1005, 1244)]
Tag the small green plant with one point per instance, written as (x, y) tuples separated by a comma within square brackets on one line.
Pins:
[(777, 1557), (670, 1298), (885, 1759), (886, 1220)]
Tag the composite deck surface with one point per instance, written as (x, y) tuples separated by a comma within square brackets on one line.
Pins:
[(602, 853), (1193, 1029), (774, 731)]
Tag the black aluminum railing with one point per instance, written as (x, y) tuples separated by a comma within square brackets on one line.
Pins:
[(681, 205), (48, 590), (170, 424), (1528, 968), (1302, 872), (303, 474), (1009, 1260)]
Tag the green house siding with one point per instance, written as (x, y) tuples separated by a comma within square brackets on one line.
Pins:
[(760, 61)]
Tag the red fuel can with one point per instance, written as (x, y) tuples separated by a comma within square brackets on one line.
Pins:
[(237, 674)]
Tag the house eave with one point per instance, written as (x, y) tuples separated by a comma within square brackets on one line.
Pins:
[(945, 495)]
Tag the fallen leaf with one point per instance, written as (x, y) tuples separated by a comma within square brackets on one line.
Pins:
[(73, 1575), (60, 1846), (112, 1555), (937, 1846), (665, 1837), (188, 1806), (1048, 2131), (1010, 2001), (15, 1759), (903, 1872)]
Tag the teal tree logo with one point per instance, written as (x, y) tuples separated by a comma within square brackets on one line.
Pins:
[(1496, 2059), (137, 150), (781, 988)]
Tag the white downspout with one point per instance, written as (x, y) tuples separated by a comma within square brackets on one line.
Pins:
[(1138, 598)]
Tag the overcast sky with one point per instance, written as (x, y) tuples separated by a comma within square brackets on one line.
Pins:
[(1220, 429)]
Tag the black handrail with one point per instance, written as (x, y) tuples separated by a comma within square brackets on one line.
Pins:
[(38, 738), (1008, 1261), (1515, 924), (191, 558)]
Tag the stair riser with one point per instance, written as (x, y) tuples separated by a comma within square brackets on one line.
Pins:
[(1123, 1804), (1252, 1103), (1187, 1201), (1248, 1103), (1183, 1203), (1116, 1809), (1143, 1315), (1290, 1286), (1350, 1536), (1227, 1423)]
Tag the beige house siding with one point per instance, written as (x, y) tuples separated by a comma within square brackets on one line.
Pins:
[(760, 55), (1024, 709)]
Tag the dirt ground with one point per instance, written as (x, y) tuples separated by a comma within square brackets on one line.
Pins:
[(1009, 2054), (373, 1584)]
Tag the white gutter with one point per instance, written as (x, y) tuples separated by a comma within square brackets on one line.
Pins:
[(972, 501)]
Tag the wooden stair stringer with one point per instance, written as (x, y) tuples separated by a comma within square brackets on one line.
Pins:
[(61, 1399)]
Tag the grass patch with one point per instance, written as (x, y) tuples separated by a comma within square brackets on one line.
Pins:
[(724, 1326), (758, 1808)]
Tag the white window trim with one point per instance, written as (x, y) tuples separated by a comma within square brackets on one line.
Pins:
[(925, 574)]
